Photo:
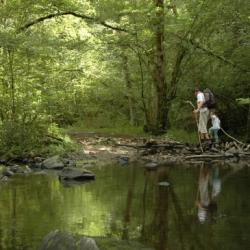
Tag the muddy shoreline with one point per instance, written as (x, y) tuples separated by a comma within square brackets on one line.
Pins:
[(100, 150)]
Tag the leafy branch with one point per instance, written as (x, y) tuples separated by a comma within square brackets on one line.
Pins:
[(71, 13)]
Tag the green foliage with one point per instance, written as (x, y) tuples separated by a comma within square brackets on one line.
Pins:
[(183, 135), (243, 101), (122, 130)]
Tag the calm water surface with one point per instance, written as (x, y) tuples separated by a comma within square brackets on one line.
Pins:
[(203, 208)]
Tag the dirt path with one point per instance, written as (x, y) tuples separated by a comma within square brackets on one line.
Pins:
[(105, 147)]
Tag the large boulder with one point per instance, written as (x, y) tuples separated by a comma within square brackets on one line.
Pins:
[(75, 174), (54, 162), (57, 240)]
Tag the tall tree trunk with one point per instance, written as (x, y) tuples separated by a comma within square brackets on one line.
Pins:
[(145, 108), (160, 125), (12, 82), (176, 73), (129, 90)]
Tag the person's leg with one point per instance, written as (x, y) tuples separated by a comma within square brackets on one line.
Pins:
[(205, 115), (206, 121), (210, 131), (203, 124), (216, 137)]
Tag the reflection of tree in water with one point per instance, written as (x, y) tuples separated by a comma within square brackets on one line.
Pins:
[(157, 231), (160, 219), (166, 201), (169, 218), (127, 212)]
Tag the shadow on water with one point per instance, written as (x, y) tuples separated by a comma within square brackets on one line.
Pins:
[(205, 207)]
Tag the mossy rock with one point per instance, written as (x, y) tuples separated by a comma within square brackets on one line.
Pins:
[(58, 240)]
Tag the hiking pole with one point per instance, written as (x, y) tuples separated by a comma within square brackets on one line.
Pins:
[(198, 189), (197, 124), (231, 136), (189, 102)]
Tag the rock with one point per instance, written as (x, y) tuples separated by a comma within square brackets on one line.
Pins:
[(3, 178), (232, 150), (36, 165), (54, 162), (123, 160), (70, 163), (74, 174), (20, 169), (185, 151), (27, 169), (3, 161), (58, 240), (151, 165), (39, 159), (227, 146), (13, 168), (7, 172), (227, 154), (215, 150), (87, 244), (164, 184), (247, 148)]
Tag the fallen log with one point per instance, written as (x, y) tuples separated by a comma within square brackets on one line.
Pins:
[(207, 156), (130, 146), (165, 146), (168, 146)]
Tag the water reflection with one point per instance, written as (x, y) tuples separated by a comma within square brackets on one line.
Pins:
[(128, 203), (208, 189)]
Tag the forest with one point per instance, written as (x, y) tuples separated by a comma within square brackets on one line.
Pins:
[(126, 65), (99, 140)]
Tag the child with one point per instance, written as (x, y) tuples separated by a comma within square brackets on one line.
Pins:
[(213, 131)]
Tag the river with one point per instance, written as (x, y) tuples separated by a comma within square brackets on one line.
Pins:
[(199, 207)]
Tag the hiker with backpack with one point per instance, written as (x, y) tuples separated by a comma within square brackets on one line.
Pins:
[(210, 102), (203, 111)]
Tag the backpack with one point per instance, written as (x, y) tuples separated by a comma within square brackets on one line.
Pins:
[(210, 101)]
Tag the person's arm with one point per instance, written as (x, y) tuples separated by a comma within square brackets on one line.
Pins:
[(199, 106), (200, 102)]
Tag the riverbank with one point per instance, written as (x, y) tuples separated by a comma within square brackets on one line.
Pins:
[(98, 149), (159, 150)]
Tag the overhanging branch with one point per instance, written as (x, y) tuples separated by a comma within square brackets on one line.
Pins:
[(109, 26), (209, 52), (71, 13)]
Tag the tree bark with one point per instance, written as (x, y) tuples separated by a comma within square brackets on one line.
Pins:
[(12, 82), (160, 124), (129, 90), (176, 73)]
